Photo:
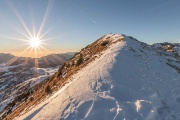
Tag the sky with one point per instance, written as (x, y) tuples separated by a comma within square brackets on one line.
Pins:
[(70, 25)]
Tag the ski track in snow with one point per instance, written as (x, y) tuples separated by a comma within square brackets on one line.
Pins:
[(122, 84)]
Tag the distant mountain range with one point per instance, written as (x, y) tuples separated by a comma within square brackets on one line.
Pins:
[(51, 60), (5, 57)]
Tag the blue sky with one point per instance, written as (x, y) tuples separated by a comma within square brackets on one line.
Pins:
[(73, 24)]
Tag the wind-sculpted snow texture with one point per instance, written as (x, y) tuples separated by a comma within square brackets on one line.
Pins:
[(129, 81)]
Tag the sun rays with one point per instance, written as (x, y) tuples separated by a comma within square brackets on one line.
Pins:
[(33, 39)]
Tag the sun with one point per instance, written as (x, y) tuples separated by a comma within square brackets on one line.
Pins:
[(35, 42), (34, 37)]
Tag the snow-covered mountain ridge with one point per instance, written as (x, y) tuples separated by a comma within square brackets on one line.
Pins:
[(116, 77)]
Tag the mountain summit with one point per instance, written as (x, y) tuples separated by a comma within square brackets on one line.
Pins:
[(116, 78)]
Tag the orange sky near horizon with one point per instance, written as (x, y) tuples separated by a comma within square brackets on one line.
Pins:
[(39, 54)]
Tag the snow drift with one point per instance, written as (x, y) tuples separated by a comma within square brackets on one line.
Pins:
[(130, 80)]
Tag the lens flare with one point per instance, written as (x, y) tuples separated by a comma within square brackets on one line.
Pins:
[(31, 35)]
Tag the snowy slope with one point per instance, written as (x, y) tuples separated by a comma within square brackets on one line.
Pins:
[(130, 80), (43, 74)]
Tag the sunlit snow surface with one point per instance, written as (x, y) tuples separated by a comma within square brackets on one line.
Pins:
[(125, 83)]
